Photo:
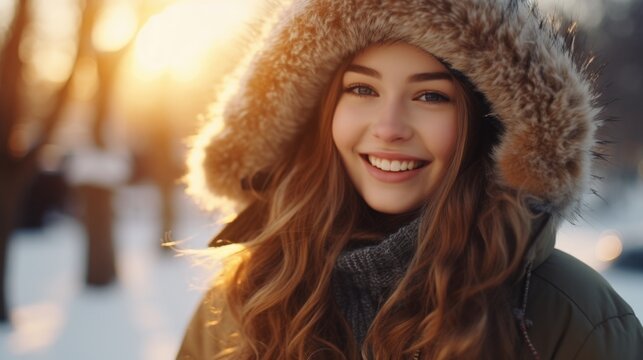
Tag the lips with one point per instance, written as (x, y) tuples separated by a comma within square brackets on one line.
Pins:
[(394, 163), (393, 168)]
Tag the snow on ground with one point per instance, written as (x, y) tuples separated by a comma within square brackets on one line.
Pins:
[(144, 314)]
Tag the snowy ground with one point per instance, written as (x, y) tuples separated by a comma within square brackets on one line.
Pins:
[(143, 316)]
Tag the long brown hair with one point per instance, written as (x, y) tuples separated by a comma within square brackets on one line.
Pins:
[(471, 242)]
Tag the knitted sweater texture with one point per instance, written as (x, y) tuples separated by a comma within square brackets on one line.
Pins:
[(365, 276)]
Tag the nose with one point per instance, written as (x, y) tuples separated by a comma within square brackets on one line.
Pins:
[(391, 124)]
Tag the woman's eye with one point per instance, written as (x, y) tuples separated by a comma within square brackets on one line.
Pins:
[(432, 97), (361, 90)]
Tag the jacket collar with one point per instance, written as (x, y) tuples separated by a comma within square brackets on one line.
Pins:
[(543, 241)]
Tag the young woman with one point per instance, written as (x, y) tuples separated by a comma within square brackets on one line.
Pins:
[(400, 170)]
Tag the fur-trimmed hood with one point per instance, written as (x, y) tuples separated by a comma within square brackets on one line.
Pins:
[(513, 56)]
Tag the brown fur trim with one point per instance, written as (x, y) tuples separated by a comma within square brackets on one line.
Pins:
[(513, 56)]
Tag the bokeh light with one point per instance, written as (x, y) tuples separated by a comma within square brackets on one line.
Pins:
[(609, 246), (50, 45), (115, 26)]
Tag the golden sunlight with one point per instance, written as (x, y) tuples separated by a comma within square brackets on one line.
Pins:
[(50, 45), (115, 26), (178, 39)]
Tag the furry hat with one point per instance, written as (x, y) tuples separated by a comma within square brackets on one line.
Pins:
[(513, 56)]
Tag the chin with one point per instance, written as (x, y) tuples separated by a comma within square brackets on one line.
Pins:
[(391, 206)]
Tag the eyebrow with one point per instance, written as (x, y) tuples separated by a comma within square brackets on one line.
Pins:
[(439, 75), (427, 76)]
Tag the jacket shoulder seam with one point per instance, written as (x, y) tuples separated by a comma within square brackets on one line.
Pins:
[(569, 298), (601, 323), (578, 307)]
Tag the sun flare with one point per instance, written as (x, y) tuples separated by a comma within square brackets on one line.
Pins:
[(178, 39), (115, 26)]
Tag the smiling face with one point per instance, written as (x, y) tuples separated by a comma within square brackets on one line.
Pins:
[(395, 125)]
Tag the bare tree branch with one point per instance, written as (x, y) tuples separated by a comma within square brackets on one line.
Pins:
[(10, 65)]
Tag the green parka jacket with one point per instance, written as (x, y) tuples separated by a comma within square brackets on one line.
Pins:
[(542, 103), (571, 311)]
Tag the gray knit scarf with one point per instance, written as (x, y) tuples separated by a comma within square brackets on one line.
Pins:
[(364, 277)]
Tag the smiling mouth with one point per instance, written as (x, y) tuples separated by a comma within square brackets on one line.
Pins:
[(394, 165)]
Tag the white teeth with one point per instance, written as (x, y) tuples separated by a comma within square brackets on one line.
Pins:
[(393, 165), (385, 165)]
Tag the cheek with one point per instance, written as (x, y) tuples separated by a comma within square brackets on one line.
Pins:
[(441, 137), (345, 128)]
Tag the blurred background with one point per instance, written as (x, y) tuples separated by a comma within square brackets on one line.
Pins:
[(97, 99)]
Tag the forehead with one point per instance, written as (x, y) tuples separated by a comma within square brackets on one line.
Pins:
[(398, 58)]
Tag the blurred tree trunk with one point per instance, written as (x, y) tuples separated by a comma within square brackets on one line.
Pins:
[(166, 180), (12, 187), (11, 173), (98, 216), (18, 169), (164, 171)]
